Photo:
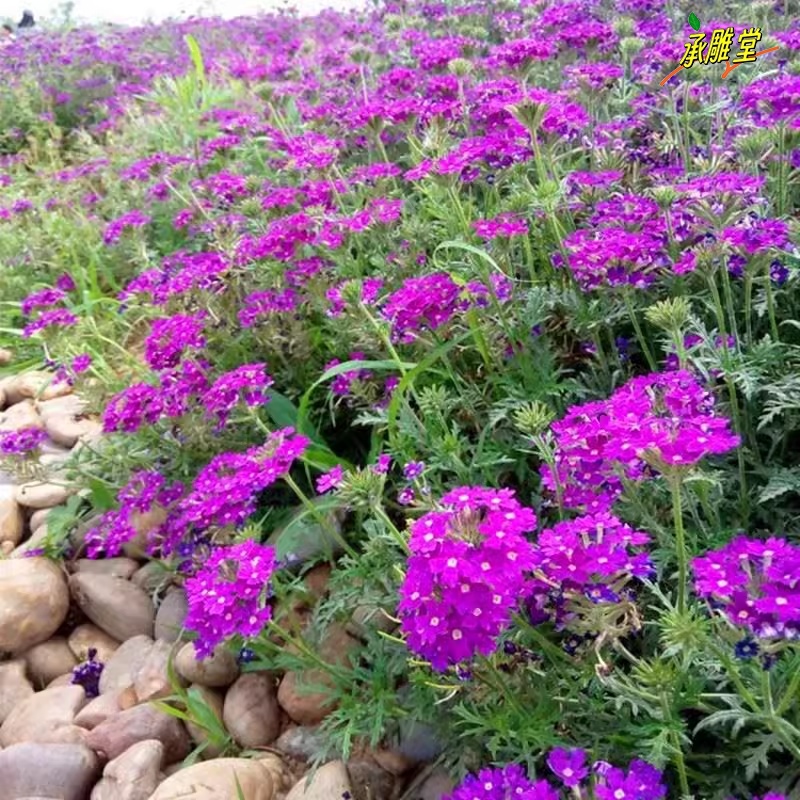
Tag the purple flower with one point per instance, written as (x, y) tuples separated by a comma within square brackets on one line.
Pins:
[(88, 674), (65, 282), (57, 317), (171, 336), (421, 304), (115, 228), (465, 574), (330, 480), (246, 383), (41, 299), (569, 765), (641, 782), (413, 470), (383, 464), (506, 783), (22, 442), (229, 595), (754, 584), (81, 363)]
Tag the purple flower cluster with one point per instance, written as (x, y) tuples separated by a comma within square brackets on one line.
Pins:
[(131, 219), (421, 304), (262, 304), (170, 337), (641, 781), (657, 421), (145, 491), (465, 575), (225, 491), (246, 383), (46, 299), (22, 442), (756, 585), (584, 562), (503, 225), (229, 594), (343, 383)]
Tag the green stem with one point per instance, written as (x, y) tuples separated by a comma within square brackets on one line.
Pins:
[(736, 679), (392, 528), (680, 541), (789, 695), (651, 362), (680, 763), (318, 516)]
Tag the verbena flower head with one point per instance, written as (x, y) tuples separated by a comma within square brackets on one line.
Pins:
[(229, 595), (654, 422), (144, 490), (422, 304), (641, 781), (583, 563), (171, 336), (225, 491), (246, 384), (22, 442), (465, 575), (754, 584), (506, 783), (569, 765)]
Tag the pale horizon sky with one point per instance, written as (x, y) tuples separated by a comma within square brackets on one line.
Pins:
[(138, 11)]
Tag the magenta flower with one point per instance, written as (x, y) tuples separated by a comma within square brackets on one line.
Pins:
[(754, 584), (171, 336), (229, 596), (22, 442), (466, 574), (330, 480), (569, 765), (246, 384), (506, 783)]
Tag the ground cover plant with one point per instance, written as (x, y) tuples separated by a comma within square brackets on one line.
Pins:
[(460, 300)]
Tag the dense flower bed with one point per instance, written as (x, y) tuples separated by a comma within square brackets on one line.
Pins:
[(463, 296)]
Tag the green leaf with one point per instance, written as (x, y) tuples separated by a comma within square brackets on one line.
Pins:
[(284, 413), (102, 497), (780, 483), (304, 425), (694, 21), (303, 538), (196, 56)]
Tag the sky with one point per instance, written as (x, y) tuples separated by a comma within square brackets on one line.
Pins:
[(133, 12)]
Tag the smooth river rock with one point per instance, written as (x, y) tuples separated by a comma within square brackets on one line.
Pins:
[(62, 771), (328, 782), (133, 775), (33, 602), (216, 780), (46, 717), (112, 737), (251, 712), (115, 605), (219, 669), (14, 687)]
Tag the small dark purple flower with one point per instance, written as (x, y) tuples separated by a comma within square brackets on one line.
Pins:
[(778, 273), (736, 265), (88, 674), (746, 648), (413, 470)]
